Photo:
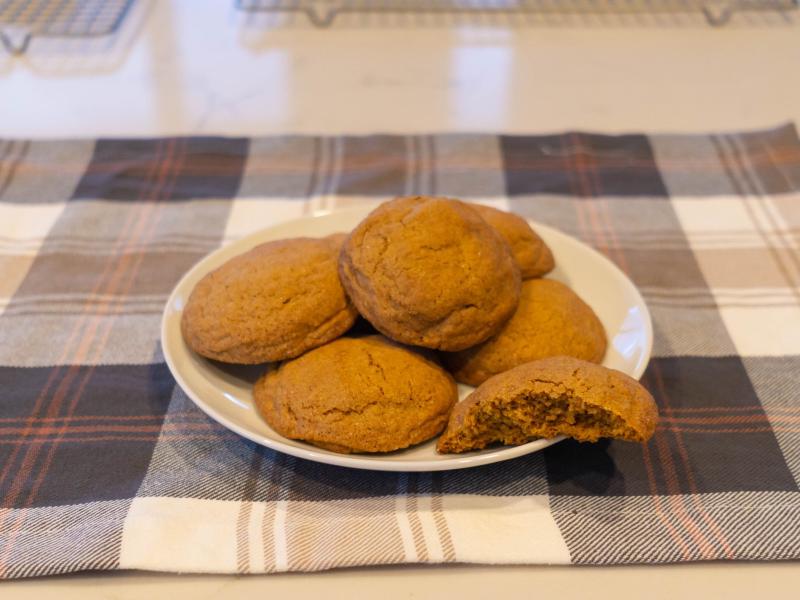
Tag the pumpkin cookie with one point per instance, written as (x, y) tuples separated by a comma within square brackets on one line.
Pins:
[(430, 272), (529, 250), (551, 320), (271, 303), (364, 394), (550, 397)]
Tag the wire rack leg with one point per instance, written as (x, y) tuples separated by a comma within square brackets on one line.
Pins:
[(321, 18), (717, 14), (11, 47)]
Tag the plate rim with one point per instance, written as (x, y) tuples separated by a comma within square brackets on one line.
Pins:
[(355, 461)]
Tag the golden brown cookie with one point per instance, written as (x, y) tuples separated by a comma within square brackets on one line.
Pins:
[(364, 394), (531, 253), (271, 303), (430, 272), (550, 397), (551, 320)]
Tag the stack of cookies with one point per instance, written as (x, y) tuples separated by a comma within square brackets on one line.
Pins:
[(450, 292)]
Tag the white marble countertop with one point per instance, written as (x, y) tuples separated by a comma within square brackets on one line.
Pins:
[(195, 66), (192, 66)]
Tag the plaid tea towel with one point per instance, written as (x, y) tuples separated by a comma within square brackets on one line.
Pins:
[(105, 463)]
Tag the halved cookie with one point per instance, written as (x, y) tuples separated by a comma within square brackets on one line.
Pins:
[(550, 397)]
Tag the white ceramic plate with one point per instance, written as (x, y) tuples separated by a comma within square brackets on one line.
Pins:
[(224, 393)]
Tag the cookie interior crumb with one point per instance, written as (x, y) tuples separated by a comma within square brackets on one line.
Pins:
[(529, 415)]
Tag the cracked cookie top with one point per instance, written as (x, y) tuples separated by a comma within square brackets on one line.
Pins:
[(364, 394), (271, 303), (430, 272)]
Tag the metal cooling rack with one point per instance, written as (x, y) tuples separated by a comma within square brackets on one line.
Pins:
[(22, 20), (322, 13)]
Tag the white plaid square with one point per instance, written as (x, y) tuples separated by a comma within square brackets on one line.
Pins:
[(763, 330), (248, 215), (23, 228)]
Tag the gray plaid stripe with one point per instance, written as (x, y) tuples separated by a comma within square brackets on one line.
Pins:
[(777, 381), (652, 529), (63, 539), (49, 173)]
